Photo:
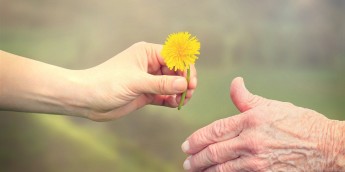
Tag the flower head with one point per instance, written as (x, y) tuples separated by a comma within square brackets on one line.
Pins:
[(180, 50)]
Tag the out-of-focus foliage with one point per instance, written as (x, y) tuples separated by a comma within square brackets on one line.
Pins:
[(287, 50)]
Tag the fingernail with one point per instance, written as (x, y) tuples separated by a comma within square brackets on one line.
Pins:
[(186, 164), (185, 146), (178, 84)]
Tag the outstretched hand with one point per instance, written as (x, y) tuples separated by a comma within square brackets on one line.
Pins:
[(132, 79), (268, 135)]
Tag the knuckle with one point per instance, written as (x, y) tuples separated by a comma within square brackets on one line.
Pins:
[(163, 82), (144, 47), (256, 164), (257, 116), (221, 168), (218, 129), (212, 154), (252, 120), (140, 44), (253, 145)]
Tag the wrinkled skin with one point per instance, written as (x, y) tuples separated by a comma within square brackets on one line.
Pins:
[(268, 135)]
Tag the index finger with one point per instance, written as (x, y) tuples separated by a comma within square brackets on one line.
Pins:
[(153, 54), (220, 130), (156, 61)]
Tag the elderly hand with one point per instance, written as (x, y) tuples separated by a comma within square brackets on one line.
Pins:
[(267, 136)]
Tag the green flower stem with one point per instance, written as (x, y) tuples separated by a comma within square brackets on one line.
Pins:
[(185, 92)]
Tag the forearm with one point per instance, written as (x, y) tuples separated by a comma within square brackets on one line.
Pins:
[(32, 86)]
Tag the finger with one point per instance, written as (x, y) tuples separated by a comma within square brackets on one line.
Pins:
[(192, 83), (161, 85), (243, 99), (243, 163), (220, 130), (217, 153), (167, 71), (153, 56), (155, 60), (153, 52), (189, 94), (165, 100), (193, 78), (233, 165), (178, 100)]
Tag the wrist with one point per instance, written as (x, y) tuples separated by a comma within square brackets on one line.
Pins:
[(76, 95), (335, 146)]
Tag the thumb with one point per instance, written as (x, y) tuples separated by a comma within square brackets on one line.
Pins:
[(243, 99), (163, 84)]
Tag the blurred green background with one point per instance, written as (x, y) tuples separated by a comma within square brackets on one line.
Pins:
[(286, 50)]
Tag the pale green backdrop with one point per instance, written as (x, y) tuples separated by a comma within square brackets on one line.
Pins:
[(287, 50)]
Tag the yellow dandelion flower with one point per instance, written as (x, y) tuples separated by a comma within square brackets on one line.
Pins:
[(180, 50)]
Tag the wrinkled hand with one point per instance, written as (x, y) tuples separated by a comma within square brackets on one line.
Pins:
[(267, 136), (132, 79)]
